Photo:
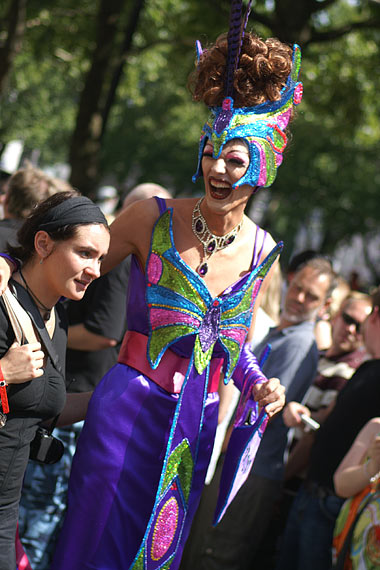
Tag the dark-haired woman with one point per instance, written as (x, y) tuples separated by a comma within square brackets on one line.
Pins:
[(61, 246)]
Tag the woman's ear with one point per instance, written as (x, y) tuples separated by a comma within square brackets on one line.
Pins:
[(43, 245)]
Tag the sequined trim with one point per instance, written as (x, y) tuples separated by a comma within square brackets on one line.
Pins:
[(179, 303), (261, 126), (164, 530)]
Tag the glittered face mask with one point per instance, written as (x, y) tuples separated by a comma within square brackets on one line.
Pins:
[(262, 127)]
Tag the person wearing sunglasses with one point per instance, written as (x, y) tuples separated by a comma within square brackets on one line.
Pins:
[(335, 366), (316, 506), (338, 363), (350, 321)]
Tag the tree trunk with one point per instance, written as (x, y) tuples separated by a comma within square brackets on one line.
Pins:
[(98, 95), (127, 43), (292, 21), (12, 45)]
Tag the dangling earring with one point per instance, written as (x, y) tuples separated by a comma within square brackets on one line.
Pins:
[(41, 260)]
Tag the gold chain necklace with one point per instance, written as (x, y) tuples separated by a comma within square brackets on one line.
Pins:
[(211, 243)]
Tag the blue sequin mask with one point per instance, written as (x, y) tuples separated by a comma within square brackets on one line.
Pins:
[(262, 127)]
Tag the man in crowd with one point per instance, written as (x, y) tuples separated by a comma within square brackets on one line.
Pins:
[(23, 191), (309, 530), (293, 358), (336, 365)]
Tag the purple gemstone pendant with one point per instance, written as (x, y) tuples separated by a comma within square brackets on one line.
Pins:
[(202, 269), (199, 226), (229, 240), (211, 243), (211, 246)]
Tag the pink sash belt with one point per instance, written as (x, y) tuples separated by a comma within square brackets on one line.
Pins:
[(171, 371)]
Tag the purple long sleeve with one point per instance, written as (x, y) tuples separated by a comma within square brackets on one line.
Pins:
[(247, 369)]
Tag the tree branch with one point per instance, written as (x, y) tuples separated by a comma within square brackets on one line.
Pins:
[(262, 19), (125, 49), (316, 37), (319, 6)]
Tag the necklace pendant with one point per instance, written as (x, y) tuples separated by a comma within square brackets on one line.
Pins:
[(199, 228), (211, 246), (3, 420), (229, 240), (211, 242), (202, 269)]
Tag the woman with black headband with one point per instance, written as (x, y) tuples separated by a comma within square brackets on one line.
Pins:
[(61, 246)]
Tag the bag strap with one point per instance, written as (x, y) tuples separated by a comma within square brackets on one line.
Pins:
[(20, 321), (23, 314), (33, 313), (339, 564)]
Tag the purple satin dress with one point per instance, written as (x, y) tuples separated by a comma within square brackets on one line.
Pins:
[(128, 447)]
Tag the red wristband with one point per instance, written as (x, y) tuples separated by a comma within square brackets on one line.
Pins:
[(3, 393)]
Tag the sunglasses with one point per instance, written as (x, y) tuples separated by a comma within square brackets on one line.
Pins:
[(351, 321)]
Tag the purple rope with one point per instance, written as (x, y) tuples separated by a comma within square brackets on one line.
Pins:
[(235, 42), (234, 38), (247, 13)]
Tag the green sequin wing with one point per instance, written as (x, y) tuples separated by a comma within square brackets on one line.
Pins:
[(236, 314), (177, 301)]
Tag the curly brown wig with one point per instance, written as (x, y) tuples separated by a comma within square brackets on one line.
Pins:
[(263, 69)]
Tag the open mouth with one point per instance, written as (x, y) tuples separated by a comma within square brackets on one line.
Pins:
[(82, 284), (219, 189)]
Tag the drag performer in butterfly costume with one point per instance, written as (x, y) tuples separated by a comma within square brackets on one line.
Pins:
[(196, 274)]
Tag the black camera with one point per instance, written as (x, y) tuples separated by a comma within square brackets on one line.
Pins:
[(45, 448)]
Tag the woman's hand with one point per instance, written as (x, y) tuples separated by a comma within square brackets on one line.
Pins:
[(6, 269), (22, 363), (270, 395), (292, 414)]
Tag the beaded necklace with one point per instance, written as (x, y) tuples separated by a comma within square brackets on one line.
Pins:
[(211, 243)]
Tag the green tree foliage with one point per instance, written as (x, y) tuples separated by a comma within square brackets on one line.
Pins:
[(333, 160), (14, 24), (153, 126), (99, 89), (40, 104)]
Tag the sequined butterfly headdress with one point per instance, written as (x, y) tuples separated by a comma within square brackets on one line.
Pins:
[(262, 126)]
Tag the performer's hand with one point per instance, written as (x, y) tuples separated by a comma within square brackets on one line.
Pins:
[(292, 414), (270, 395)]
